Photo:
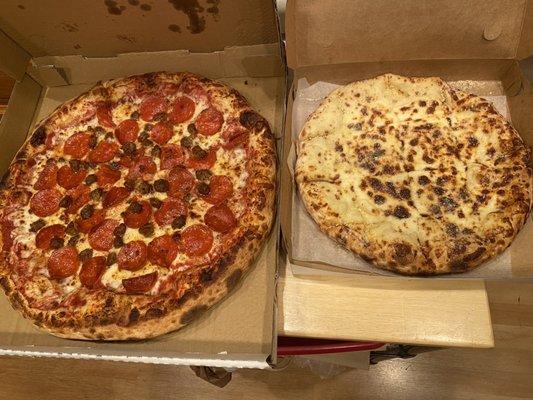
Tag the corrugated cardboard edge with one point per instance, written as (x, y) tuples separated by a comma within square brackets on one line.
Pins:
[(240, 363), (234, 61)]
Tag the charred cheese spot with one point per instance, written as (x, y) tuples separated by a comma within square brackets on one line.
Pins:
[(401, 212)]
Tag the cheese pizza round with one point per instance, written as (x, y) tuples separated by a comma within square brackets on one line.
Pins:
[(133, 208), (413, 175)]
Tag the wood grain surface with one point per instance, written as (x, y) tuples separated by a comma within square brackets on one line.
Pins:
[(504, 372), (430, 312)]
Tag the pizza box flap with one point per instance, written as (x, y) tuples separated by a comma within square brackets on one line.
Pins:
[(107, 28), (322, 32)]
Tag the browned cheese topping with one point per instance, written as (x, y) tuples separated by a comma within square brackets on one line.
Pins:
[(414, 175)]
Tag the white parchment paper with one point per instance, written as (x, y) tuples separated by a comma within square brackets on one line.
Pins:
[(309, 244)]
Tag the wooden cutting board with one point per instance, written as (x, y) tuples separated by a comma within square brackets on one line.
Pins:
[(430, 312)]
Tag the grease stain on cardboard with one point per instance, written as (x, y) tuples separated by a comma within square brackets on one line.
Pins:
[(127, 38), (174, 28), (193, 10), (144, 6), (67, 27), (113, 7)]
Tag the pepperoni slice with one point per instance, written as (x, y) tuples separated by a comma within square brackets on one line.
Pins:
[(170, 210), (133, 255), (140, 284), (168, 88), (136, 220), (47, 178), (45, 235), (162, 251), (115, 196), (68, 178), (86, 225), (171, 156), (127, 131), (107, 175), (91, 272), (197, 240), (203, 163), (126, 161), (103, 113), (235, 136), (77, 145), (237, 141), (161, 133), (152, 106), (80, 196), (105, 151), (101, 236), (181, 182), (182, 110), (45, 202), (220, 218), (193, 89), (233, 129), (144, 167), (220, 189), (63, 263), (209, 121)]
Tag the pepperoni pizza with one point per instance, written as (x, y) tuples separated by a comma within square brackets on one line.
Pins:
[(133, 208)]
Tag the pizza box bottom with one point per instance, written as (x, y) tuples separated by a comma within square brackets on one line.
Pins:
[(225, 336)]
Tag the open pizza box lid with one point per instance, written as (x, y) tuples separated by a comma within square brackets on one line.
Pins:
[(481, 46), (57, 52)]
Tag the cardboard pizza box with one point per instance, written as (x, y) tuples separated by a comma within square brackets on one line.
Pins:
[(479, 46), (57, 52)]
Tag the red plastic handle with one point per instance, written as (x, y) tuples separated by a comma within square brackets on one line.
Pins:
[(293, 346)]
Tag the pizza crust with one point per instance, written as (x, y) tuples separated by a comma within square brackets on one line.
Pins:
[(117, 316), (144, 323), (413, 176)]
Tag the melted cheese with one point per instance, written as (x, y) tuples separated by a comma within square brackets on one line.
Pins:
[(231, 163), (401, 160)]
